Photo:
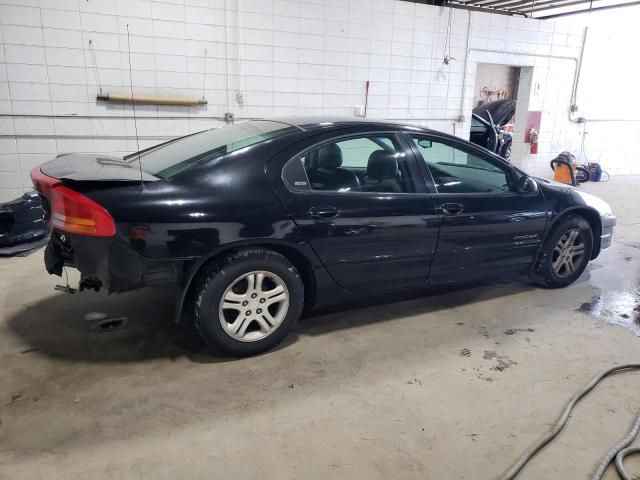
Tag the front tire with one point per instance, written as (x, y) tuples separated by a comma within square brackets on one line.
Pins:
[(247, 303), (565, 252)]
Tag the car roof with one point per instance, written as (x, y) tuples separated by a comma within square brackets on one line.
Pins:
[(309, 122)]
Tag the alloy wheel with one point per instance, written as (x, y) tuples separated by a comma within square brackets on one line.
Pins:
[(254, 306), (568, 253)]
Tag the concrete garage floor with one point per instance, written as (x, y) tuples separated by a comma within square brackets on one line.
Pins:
[(450, 385)]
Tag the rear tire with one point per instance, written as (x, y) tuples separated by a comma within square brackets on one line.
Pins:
[(247, 303), (565, 253)]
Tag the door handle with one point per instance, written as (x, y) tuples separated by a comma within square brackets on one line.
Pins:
[(451, 208), (323, 212)]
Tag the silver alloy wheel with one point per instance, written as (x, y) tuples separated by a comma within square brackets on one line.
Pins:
[(568, 254), (254, 306)]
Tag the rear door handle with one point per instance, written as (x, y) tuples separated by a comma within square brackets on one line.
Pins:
[(451, 208), (323, 212)]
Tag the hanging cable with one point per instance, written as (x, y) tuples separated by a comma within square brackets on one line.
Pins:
[(446, 58), (204, 75), (95, 63), (133, 104)]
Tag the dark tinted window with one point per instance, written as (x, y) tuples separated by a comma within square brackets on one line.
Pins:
[(367, 163), (178, 155), (457, 171)]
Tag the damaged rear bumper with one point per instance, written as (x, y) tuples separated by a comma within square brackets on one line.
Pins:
[(107, 263)]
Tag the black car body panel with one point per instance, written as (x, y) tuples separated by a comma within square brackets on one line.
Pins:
[(22, 224), (343, 244), (374, 241)]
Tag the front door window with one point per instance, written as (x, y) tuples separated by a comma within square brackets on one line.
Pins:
[(458, 171)]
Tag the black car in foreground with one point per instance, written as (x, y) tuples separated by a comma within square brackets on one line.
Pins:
[(255, 221)]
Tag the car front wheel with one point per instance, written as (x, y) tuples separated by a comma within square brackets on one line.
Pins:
[(246, 303), (565, 253)]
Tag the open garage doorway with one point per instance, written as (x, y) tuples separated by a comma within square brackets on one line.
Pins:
[(494, 107)]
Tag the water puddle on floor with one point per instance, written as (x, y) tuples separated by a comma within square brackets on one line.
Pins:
[(615, 278), (621, 307)]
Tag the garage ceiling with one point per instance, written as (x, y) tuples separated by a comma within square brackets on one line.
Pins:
[(534, 8)]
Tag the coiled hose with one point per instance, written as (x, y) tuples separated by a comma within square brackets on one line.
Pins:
[(619, 451)]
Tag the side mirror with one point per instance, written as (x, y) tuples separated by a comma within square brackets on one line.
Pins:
[(423, 143), (527, 184)]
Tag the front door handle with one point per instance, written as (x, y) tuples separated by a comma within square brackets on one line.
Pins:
[(451, 208), (323, 212)]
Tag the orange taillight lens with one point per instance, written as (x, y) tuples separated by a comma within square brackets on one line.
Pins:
[(71, 211)]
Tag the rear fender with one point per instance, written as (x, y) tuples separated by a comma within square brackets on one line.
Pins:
[(301, 256)]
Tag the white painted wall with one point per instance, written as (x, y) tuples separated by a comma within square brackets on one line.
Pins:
[(495, 77), (285, 56)]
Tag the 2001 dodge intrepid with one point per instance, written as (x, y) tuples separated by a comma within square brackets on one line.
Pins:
[(255, 221)]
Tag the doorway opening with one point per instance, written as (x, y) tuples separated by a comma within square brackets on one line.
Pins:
[(494, 107)]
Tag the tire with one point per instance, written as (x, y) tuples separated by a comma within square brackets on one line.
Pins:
[(263, 299), (553, 272)]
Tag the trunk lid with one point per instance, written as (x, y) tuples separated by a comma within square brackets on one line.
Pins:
[(96, 168)]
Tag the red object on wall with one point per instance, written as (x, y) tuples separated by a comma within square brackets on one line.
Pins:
[(533, 122), (532, 131)]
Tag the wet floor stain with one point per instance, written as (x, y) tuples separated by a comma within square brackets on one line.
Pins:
[(616, 307), (513, 331), (503, 361)]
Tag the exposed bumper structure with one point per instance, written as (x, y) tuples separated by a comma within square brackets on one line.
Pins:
[(107, 263)]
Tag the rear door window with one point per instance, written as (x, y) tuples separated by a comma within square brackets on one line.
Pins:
[(365, 163)]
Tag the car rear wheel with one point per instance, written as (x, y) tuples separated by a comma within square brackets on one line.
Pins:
[(247, 302), (565, 253)]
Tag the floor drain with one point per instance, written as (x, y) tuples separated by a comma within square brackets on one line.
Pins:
[(108, 324)]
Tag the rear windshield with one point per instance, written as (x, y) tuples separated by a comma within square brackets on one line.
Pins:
[(168, 159)]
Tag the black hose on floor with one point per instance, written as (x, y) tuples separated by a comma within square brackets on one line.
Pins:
[(619, 452)]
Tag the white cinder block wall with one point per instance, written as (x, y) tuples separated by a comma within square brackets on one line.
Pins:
[(284, 57)]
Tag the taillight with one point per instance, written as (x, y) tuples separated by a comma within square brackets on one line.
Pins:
[(71, 211), (43, 183)]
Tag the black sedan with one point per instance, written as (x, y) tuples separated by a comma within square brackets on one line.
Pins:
[(256, 220)]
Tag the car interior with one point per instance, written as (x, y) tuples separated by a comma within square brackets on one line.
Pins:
[(365, 164), (376, 164)]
